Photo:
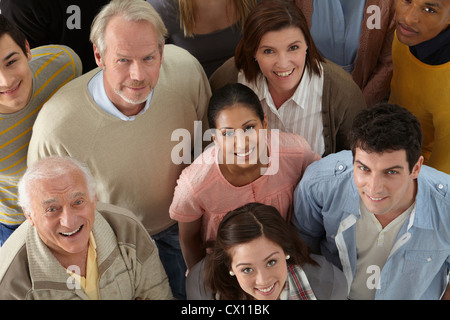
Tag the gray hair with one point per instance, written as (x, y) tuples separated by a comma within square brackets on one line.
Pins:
[(130, 10), (51, 167)]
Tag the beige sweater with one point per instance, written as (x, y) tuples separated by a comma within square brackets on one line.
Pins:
[(128, 263), (130, 160)]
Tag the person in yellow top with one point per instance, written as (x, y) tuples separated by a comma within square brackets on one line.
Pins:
[(421, 78)]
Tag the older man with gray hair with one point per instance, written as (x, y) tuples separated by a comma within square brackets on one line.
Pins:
[(120, 120), (70, 248)]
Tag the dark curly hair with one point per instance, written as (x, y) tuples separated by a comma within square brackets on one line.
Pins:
[(387, 127)]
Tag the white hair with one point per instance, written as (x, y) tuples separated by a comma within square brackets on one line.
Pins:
[(130, 10), (51, 167)]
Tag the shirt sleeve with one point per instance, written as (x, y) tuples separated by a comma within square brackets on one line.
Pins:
[(185, 206), (307, 217)]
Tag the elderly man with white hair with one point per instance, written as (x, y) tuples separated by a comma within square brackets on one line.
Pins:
[(70, 248), (120, 119)]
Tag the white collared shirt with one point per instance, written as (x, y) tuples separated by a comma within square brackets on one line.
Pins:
[(97, 90), (301, 114)]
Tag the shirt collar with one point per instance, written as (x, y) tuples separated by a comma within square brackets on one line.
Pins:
[(260, 87), (427, 48), (97, 90)]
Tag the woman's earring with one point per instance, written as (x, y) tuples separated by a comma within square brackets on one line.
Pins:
[(288, 257), (231, 273)]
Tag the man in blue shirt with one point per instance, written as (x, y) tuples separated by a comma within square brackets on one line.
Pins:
[(377, 212)]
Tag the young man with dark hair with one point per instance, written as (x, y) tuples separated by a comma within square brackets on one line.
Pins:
[(28, 78), (421, 77), (377, 212)]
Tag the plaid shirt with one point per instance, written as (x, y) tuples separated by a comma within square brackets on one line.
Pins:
[(297, 285)]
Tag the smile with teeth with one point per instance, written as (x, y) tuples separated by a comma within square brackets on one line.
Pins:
[(375, 199), (245, 154), (266, 290), (11, 90), (71, 233), (284, 74)]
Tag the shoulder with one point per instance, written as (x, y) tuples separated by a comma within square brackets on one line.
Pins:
[(226, 73), (327, 281), (335, 74), (289, 141), (332, 166), (340, 89), (66, 102), (201, 171), (181, 70), (127, 228), (179, 59), (13, 250), (118, 217), (435, 184), (57, 58)]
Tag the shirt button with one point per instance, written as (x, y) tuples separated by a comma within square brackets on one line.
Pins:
[(440, 186), (341, 167), (428, 259)]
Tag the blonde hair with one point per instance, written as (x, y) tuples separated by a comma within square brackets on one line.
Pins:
[(130, 10), (187, 14)]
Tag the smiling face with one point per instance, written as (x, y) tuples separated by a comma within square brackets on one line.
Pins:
[(260, 268), (63, 213), (281, 56), (384, 182), (131, 63), (237, 136), (16, 79), (421, 20)]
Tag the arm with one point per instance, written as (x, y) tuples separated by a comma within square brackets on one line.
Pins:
[(191, 243), (307, 218), (343, 100), (377, 86)]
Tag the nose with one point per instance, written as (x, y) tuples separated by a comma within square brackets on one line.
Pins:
[(6, 81), (136, 71), (66, 218), (240, 140), (262, 277), (375, 185), (411, 15)]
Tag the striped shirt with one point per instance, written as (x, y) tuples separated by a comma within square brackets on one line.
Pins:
[(52, 67), (301, 114)]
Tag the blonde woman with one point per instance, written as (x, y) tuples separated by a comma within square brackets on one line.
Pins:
[(202, 28)]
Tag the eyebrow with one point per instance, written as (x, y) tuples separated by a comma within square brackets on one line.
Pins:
[(242, 125), (73, 196), (433, 4), (10, 55), (265, 259), (289, 45), (391, 168), (120, 55)]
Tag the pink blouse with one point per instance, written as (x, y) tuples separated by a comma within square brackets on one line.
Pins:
[(203, 192)]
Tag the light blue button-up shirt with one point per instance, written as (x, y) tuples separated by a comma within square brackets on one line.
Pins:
[(336, 29), (97, 90), (326, 208)]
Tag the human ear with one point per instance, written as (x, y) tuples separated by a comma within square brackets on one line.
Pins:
[(98, 57), (416, 169)]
